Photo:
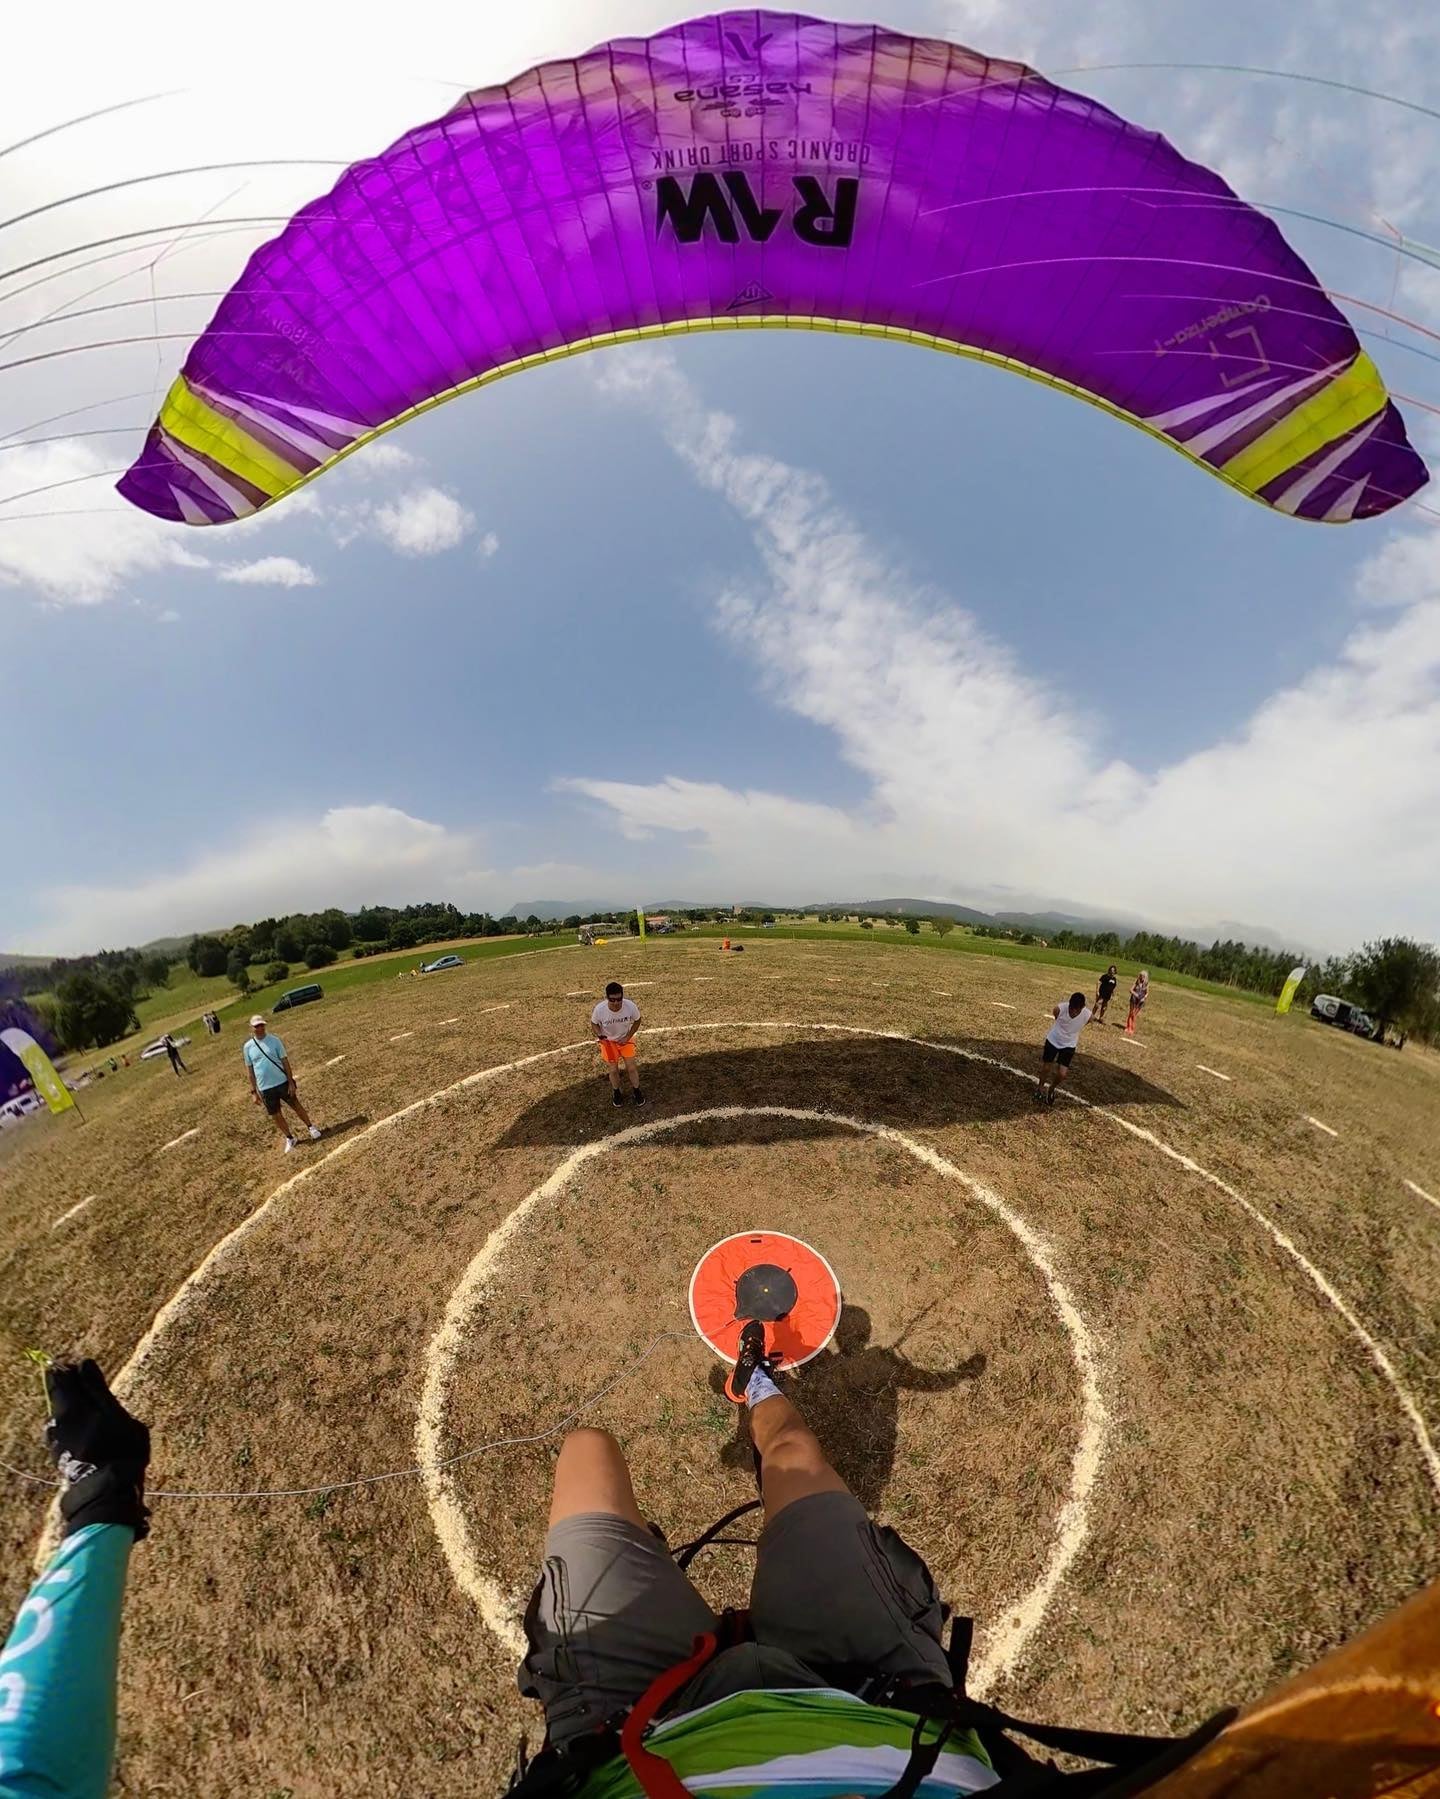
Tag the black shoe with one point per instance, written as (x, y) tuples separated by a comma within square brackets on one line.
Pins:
[(638, 1097), (617, 1098), (752, 1356)]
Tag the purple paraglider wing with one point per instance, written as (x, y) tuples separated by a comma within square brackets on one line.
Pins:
[(762, 169)]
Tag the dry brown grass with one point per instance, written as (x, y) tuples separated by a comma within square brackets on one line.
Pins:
[(1261, 1496)]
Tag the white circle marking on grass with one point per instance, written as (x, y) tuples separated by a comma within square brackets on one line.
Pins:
[(1005, 1641), (333, 1060), (1423, 1194), (1003, 1006), (454, 1020), (1329, 1130), (400, 1036), (89, 1200), (188, 1292), (184, 1137), (1204, 1069)]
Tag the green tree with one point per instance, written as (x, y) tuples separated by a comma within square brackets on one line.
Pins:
[(319, 955), (155, 971), (912, 926), (207, 955), (1398, 981), (336, 928), (276, 971), (943, 926), (91, 1010), (288, 947), (237, 971)]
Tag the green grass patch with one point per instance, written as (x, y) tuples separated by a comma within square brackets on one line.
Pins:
[(963, 942), (340, 977)]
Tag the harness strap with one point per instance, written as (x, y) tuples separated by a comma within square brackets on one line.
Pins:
[(657, 1778)]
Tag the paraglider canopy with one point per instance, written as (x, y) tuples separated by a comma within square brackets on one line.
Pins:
[(756, 169)]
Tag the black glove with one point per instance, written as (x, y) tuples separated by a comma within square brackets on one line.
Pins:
[(99, 1449)]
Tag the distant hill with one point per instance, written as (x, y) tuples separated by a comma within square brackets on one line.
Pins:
[(914, 908), (566, 908), (174, 947), (8, 960)]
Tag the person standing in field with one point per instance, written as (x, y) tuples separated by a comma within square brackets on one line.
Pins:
[(614, 1023), (272, 1082), (1071, 1017), (1105, 992), (1139, 993), (172, 1049)]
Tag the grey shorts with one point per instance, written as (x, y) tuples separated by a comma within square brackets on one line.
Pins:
[(835, 1598)]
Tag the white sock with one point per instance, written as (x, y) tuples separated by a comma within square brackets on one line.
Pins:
[(761, 1387)]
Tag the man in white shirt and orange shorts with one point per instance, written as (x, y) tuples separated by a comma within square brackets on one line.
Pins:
[(614, 1023)]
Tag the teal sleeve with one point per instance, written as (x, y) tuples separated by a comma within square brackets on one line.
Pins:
[(58, 1670)]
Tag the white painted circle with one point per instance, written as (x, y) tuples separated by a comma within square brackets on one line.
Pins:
[(734, 1237), (191, 1290), (1003, 1643)]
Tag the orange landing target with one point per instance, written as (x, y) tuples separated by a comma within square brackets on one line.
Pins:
[(783, 1282)]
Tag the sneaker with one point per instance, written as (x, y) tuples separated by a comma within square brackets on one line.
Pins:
[(289, 1145), (752, 1356), (638, 1097), (617, 1098), (314, 1133)]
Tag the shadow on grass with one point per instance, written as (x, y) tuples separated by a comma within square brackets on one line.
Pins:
[(849, 1395), (327, 1131), (877, 1079)]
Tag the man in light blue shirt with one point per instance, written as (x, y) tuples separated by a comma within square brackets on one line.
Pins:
[(272, 1084)]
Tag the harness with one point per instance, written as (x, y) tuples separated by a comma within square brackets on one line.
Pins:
[(1128, 1764)]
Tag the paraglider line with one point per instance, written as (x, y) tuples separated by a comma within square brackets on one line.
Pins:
[(375, 1480)]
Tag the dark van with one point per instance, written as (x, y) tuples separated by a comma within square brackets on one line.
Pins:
[(298, 996)]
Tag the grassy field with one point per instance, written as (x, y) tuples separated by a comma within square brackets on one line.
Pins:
[(963, 941), (178, 1007), (1260, 1493)]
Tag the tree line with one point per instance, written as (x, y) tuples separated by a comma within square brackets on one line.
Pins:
[(1395, 979), (90, 1001)]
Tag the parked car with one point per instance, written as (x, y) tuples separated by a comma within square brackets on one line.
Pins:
[(441, 962), (299, 996), (15, 1109), (1330, 1010)]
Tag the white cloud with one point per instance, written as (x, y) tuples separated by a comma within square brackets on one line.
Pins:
[(423, 522), (77, 544), (1317, 817), (380, 459), (271, 571), (487, 546), (168, 617), (349, 856)]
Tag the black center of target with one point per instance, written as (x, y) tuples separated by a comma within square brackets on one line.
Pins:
[(766, 1293)]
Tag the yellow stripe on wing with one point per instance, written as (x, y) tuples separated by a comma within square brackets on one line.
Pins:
[(1355, 395), (197, 425)]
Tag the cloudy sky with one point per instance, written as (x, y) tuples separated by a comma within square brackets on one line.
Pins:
[(781, 617)]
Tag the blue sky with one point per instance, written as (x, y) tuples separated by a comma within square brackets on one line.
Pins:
[(975, 642)]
